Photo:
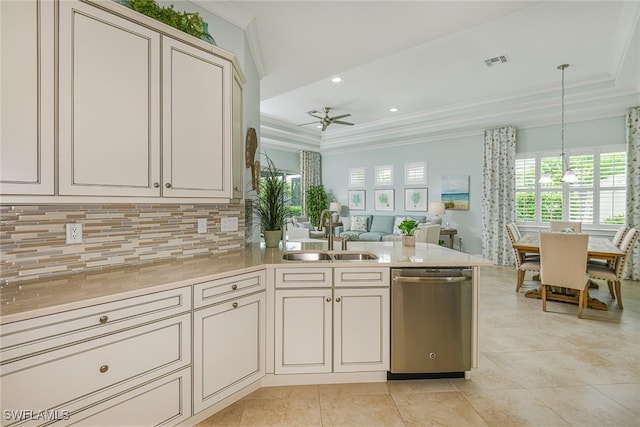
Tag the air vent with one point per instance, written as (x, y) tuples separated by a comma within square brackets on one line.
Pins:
[(495, 61)]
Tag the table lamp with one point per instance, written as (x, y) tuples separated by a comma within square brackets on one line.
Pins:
[(436, 209), (335, 207)]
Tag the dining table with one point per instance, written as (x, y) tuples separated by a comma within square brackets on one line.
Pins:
[(600, 248)]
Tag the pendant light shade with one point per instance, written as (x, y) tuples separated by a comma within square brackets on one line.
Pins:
[(545, 178)]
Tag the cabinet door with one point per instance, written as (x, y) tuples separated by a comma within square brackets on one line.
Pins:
[(27, 128), (229, 348), (303, 331), (109, 104), (361, 329), (196, 119), (238, 154)]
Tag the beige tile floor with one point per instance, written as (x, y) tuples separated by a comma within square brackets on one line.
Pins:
[(536, 369)]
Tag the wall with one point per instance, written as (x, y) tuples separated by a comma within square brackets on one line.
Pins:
[(457, 156)]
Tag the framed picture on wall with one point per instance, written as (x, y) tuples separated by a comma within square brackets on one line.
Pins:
[(356, 200), (415, 199), (383, 200), (455, 192)]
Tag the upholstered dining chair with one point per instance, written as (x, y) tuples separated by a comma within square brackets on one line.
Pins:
[(563, 263), (575, 226), (613, 274), (522, 264), (429, 233), (616, 240)]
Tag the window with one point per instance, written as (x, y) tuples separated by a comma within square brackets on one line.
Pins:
[(356, 177), (599, 199), (415, 173), (384, 175)]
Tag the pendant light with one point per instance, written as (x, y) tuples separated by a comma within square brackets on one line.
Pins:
[(569, 176)]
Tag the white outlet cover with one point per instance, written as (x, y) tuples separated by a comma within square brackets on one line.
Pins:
[(202, 225), (229, 224), (74, 233)]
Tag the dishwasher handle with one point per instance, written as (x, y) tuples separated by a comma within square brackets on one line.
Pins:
[(428, 279)]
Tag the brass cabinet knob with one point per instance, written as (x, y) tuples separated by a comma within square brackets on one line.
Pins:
[(103, 319), (328, 299), (234, 305), (168, 185), (104, 368), (338, 299), (234, 286), (156, 185)]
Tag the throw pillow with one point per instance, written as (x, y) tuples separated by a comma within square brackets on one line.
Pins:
[(359, 223), (396, 223), (305, 224)]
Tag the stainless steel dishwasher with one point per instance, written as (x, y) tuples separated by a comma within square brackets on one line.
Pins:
[(431, 312)]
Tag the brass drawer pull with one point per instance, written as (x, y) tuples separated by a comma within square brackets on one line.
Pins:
[(234, 287), (234, 305), (104, 368), (103, 319), (338, 299), (328, 299)]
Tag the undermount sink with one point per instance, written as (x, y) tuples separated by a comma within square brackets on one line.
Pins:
[(311, 256), (353, 256), (306, 256)]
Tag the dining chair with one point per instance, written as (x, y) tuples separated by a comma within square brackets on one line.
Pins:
[(428, 233), (613, 274), (575, 226), (523, 264), (563, 263), (616, 240)]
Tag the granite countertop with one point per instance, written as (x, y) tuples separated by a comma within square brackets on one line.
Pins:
[(24, 300)]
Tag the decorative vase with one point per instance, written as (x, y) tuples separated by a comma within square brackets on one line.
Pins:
[(408, 240), (272, 238)]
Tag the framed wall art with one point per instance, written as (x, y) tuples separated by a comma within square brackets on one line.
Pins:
[(357, 200), (455, 192), (415, 199), (383, 200)]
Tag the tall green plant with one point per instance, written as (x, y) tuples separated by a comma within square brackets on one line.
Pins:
[(270, 206), (316, 202)]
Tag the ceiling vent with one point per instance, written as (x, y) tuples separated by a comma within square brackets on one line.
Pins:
[(495, 61)]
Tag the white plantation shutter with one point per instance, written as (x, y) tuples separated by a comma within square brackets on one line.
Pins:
[(415, 173), (384, 175), (356, 177), (581, 193), (613, 188), (525, 172)]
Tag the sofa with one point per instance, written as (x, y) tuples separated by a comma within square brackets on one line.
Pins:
[(299, 228), (374, 227)]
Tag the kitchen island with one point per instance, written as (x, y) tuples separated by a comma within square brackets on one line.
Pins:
[(193, 336)]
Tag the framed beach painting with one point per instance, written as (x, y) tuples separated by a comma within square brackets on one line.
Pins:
[(415, 199), (383, 200), (356, 200), (455, 192)]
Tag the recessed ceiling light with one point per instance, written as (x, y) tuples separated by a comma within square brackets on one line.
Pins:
[(336, 79), (393, 110)]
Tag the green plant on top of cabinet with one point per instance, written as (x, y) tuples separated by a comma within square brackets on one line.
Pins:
[(128, 94)]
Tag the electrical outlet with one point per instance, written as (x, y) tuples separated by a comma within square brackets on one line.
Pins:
[(229, 224), (202, 225), (74, 233)]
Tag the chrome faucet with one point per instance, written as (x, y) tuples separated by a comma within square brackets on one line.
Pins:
[(330, 227)]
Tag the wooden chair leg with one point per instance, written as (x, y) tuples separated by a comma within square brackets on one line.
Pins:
[(543, 296), (613, 295), (581, 302), (519, 280), (619, 295)]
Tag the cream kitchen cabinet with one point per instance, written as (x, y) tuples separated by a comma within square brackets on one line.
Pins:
[(141, 113), (238, 151), (229, 337), (28, 103), (115, 360), (331, 320)]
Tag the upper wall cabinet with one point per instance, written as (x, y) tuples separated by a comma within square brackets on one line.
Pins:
[(109, 104), (27, 128), (196, 122)]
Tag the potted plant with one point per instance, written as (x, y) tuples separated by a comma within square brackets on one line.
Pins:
[(270, 206), (408, 227), (316, 203)]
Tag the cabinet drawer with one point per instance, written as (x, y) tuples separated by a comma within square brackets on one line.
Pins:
[(165, 401), (361, 277), (318, 277), (56, 378), (216, 291), (20, 339)]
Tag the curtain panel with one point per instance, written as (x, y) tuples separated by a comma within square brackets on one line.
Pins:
[(633, 187), (498, 189), (310, 173)]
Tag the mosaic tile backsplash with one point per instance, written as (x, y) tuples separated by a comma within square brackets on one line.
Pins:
[(33, 238)]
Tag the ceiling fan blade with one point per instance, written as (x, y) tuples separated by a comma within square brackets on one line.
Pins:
[(310, 123), (324, 126), (340, 122), (342, 116), (317, 117)]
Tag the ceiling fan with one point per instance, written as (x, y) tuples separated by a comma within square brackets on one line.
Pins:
[(326, 120)]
